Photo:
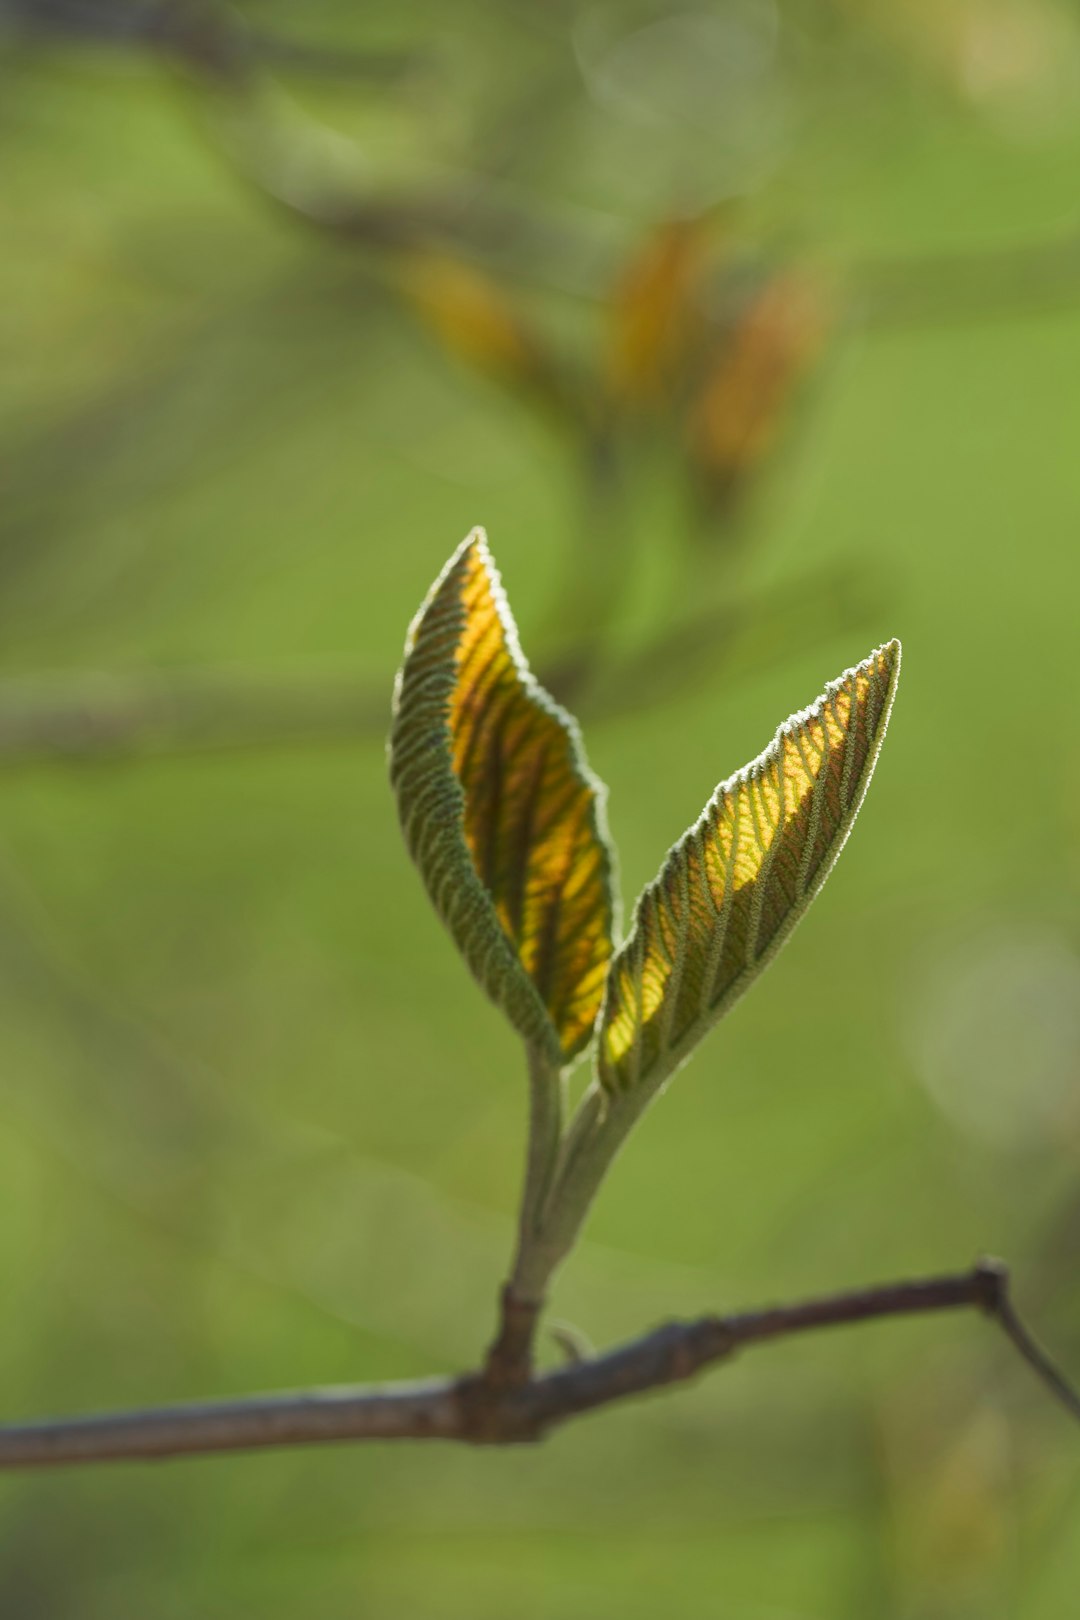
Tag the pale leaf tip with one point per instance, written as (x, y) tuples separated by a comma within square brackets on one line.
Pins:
[(475, 544), (887, 658)]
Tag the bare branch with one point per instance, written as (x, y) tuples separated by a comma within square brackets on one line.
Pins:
[(169, 27), (480, 1410), (91, 717), (1033, 1353)]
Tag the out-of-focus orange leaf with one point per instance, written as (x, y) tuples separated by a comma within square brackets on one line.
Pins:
[(655, 312), (474, 320), (753, 377)]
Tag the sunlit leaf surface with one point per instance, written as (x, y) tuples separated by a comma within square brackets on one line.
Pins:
[(500, 810), (735, 885)]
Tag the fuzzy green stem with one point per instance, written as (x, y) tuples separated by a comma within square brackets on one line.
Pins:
[(546, 1092), (546, 1088), (509, 1359), (595, 1136)]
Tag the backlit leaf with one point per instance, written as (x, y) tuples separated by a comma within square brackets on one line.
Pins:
[(500, 810), (736, 884)]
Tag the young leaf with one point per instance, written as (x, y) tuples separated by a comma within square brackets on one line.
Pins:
[(733, 888), (752, 379), (475, 319), (500, 810), (657, 317)]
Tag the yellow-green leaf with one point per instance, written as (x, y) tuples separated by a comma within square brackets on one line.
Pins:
[(657, 315), (475, 319), (500, 810), (735, 885)]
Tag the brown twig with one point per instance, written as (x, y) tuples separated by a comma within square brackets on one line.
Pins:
[(477, 1409)]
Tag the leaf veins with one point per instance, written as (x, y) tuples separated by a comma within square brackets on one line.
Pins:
[(500, 810), (733, 888)]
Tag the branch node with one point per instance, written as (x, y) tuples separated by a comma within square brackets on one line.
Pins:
[(509, 1361), (504, 1403), (991, 1278)]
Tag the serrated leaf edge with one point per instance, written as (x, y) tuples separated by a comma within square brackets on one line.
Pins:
[(675, 1056), (521, 1002)]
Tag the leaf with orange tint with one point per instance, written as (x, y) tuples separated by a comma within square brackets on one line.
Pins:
[(733, 888), (753, 378), (655, 311), (500, 810), (474, 319)]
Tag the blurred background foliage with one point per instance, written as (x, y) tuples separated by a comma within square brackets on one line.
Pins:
[(752, 333)]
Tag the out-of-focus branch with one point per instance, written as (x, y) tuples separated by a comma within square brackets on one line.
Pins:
[(172, 27), (105, 718), (481, 1410), (100, 719), (745, 637), (231, 64), (321, 181), (985, 284), (575, 250), (227, 59)]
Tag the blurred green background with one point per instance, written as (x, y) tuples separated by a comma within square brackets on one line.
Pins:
[(258, 1127)]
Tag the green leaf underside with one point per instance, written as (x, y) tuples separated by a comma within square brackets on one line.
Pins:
[(500, 810), (733, 888)]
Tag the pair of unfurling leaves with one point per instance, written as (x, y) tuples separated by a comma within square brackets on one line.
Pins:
[(506, 823)]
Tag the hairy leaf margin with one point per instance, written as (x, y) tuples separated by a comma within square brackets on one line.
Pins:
[(728, 895), (526, 888)]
